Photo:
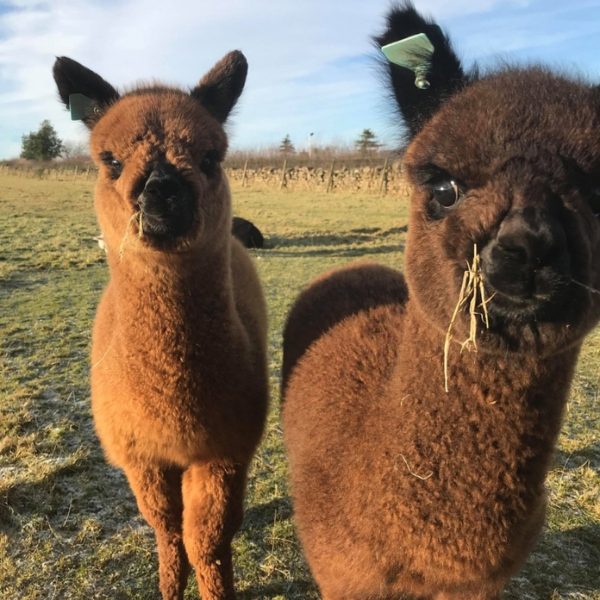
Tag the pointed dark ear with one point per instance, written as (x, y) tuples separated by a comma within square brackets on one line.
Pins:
[(73, 78), (220, 88), (446, 75)]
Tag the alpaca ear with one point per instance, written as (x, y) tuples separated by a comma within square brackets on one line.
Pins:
[(220, 88), (444, 75), (82, 91)]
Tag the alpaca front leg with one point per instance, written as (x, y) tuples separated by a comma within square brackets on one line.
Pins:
[(213, 496), (158, 494)]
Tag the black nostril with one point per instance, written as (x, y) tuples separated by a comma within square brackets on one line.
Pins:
[(532, 237), (162, 184), (514, 252)]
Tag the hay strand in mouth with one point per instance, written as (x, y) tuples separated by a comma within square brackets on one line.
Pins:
[(587, 287), (471, 289), (135, 216)]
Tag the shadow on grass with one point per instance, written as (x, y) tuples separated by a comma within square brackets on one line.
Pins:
[(277, 590), (571, 461), (26, 280), (283, 572), (265, 512), (563, 565), (354, 236), (43, 497), (358, 252)]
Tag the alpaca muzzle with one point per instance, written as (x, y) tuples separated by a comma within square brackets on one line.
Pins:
[(166, 204), (528, 263)]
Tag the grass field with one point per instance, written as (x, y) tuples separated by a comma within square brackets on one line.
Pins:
[(69, 526)]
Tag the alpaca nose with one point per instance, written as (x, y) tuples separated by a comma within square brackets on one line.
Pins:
[(164, 182), (166, 203), (531, 237), (529, 252)]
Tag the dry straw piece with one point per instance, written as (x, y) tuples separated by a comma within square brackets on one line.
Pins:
[(472, 287)]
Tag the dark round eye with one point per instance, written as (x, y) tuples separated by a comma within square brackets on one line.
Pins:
[(115, 166), (446, 193), (209, 162)]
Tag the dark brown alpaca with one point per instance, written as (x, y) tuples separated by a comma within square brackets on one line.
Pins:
[(399, 487), (179, 384)]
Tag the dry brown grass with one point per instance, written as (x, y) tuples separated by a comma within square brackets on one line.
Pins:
[(471, 289)]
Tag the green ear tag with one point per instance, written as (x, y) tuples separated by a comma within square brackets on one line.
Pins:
[(412, 53), (80, 106)]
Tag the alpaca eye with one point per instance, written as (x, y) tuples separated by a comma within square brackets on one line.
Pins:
[(446, 193), (115, 166), (209, 163)]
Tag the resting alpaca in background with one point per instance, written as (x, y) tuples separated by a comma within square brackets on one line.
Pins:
[(399, 487), (179, 383)]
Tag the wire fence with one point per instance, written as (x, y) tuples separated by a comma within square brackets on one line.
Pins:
[(378, 177)]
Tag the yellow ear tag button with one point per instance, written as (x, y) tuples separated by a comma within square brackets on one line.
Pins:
[(412, 53)]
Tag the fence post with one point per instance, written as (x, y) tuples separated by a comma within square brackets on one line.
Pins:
[(330, 177), (283, 174), (383, 181), (87, 173), (75, 172), (244, 173)]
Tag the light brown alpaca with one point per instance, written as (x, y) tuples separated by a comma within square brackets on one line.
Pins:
[(400, 488), (179, 383)]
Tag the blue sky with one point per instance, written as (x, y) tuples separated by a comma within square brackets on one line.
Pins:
[(311, 62)]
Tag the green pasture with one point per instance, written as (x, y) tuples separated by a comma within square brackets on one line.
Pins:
[(69, 526)]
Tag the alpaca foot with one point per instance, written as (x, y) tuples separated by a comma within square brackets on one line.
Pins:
[(213, 496)]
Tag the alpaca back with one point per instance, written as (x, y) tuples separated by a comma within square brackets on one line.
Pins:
[(333, 297)]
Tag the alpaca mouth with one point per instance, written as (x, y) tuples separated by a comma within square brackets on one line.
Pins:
[(526, 301), (165, 227)]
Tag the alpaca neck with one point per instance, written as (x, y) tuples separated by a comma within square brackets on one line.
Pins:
[(527, 383), (509, 406), (174, 301)]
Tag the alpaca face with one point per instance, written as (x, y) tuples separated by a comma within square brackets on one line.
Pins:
[(510, 164), (159, 151), (159, 156)]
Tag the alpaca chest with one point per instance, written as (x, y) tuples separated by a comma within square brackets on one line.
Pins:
[(171, 397), (414, 482)]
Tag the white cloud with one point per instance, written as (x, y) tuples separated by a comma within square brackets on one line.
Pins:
[(292, 47)]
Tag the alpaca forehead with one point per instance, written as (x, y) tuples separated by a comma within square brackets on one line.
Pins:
[(524, 104), (515, 114), (158, 120)]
